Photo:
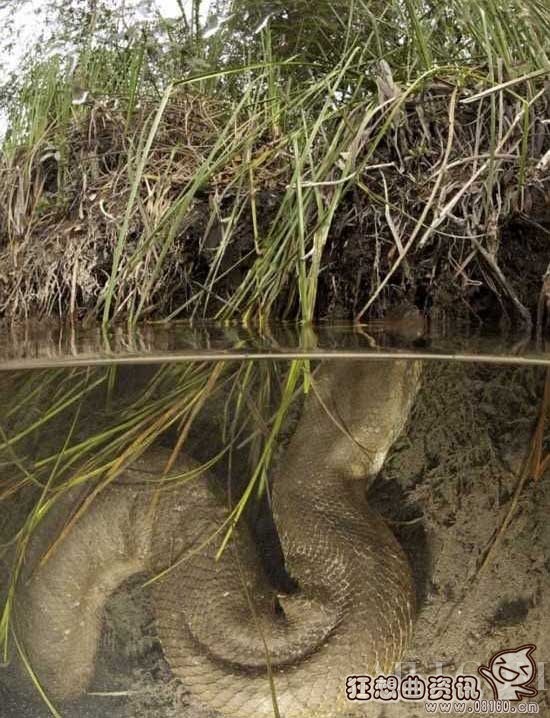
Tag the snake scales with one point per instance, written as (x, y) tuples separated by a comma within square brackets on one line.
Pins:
[(352, 611)]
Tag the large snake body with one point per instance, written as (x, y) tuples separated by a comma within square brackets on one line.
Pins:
[(217, 622)]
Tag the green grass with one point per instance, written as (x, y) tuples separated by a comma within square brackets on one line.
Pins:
[(232, 192), (156, 183), (78, 438)]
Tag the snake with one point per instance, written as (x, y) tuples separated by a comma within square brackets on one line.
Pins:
[(240, 646)]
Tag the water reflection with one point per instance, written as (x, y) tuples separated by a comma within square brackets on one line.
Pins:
[(52, 344)]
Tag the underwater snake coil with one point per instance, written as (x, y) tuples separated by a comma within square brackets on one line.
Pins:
[(351, 614)]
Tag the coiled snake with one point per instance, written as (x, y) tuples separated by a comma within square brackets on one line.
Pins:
[(351, 614)]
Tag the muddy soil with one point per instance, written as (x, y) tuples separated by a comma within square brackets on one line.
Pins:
[(446, 487)]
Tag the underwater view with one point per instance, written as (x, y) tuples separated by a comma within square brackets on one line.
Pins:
[(274, 358), (269, 537)]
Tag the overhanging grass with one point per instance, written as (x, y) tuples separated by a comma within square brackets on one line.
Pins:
[(238, 193), (247, 192), (79, 440)]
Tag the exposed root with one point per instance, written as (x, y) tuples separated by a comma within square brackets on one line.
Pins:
[(208, 213)]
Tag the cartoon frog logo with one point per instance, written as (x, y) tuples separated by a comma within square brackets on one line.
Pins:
[(511, 672)]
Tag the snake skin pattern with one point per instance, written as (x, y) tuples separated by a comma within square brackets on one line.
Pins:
[(236, 645)]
